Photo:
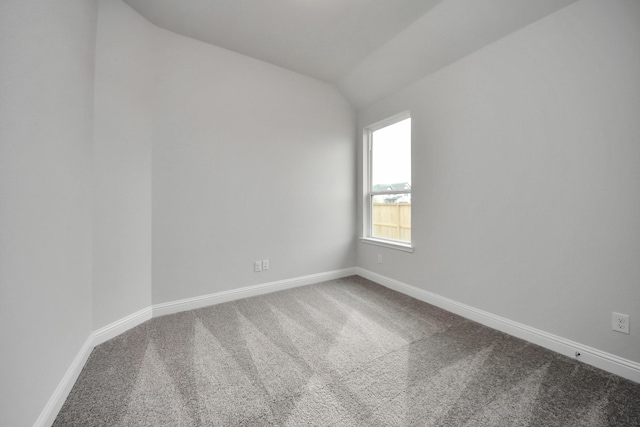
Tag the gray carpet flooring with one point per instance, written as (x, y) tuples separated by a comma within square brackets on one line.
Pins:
[(342, 353)]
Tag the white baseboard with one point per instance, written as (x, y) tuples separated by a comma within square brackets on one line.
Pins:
[(591, 356), (246, 292), (51, 409), (119, 326)]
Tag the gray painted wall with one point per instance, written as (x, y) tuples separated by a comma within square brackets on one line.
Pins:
[(46, 104), (525, 177), (250, 162), (245, 156), (123, 128), (452, 30)]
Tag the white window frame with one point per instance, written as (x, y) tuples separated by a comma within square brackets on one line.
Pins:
[(367, 232)]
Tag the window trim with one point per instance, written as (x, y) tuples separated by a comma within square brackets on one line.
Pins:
[(367, 217), (391, 244)]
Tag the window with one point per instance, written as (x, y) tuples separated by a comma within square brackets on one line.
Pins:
[(388, 182)]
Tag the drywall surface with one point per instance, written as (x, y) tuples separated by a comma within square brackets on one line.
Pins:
[(448, 32), (525, 177), (250, 162), (46, 103), (122, 163)]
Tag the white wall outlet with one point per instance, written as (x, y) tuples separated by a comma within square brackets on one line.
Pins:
[(379, 258), (265, 264), (257, 266), (620, 322)]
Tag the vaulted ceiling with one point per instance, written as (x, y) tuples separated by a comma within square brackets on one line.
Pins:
[(366, 47)]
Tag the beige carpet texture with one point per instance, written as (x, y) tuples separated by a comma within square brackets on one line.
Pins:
[(346, 352)]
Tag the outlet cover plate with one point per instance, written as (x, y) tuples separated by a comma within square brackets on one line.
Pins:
[(620, 322)]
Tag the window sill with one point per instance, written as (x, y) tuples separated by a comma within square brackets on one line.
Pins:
[(405, 247)]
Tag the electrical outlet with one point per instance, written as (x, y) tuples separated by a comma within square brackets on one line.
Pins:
[(620, 322), (257, 266), (265, 264), (379, 258)]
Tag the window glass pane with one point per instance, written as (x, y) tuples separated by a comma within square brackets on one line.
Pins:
[(391, 157), (391, 172), (392, 220)]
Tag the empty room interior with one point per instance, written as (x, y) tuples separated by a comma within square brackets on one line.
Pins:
[(207, 169)]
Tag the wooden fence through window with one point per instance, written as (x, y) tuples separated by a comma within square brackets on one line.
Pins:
[(392, 221)]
